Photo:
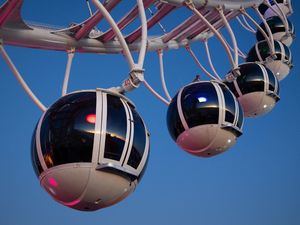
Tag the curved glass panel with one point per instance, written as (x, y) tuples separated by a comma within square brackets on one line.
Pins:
[(34, 156), (252, 55), (139, 141), (116, 128), (241, 117), (67, 135), (200, 104), (229, 104), (232, 88), (272, 80), (175, 126), (251, 79), (264, 49), (288, 55)]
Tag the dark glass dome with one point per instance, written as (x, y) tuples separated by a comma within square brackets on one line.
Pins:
[(252, 79), (262, 50), (66, 133), (200, 105), (263, 7), (67, 130), (276, 25)]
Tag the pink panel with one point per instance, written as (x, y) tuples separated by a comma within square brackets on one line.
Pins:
[(94, 20), (7, 9), (126, 20), (165, 10)]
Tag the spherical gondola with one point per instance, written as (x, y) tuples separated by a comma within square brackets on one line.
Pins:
[(280, 63), (257, 89), (278, 30), (90, 149), (268, 12), (204, 118)]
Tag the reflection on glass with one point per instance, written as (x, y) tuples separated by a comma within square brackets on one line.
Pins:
[(66, 136), (116, 128), (200, 113), (241, 117), (34, 156), (229, 104), (139, 141), (175, 126), (252, 79)]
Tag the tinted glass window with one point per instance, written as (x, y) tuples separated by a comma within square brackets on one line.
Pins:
[(67, 131), (241, 117), (116, 128), (252, 55), (231, 86), (175, 126), (139, 141), (229, 104), (200, 104), (252, 79), (264, 49), (34, 156), (272, 80), (287, 53)]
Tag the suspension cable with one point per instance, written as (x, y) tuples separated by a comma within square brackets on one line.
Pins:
[(209, 59), (241, 54), (159, 23), (89, 7), (192, 7), (280, 14), (21, 80), (232, 36), (248, 28), (67, 72), (158, 96), (188, 48), (246, 22), (144, 37), (271, 38), (162, 74), (117, 31), (270, 44)]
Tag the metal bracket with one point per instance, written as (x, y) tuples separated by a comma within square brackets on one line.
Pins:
[(136, 76), (230, 77)]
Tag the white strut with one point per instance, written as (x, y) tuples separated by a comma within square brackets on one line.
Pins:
[(21, 80)]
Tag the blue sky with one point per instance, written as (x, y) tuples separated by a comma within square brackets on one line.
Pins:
[(256, 182)]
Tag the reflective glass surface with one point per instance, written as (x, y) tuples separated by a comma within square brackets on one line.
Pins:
[(66, 135), (200, 104), (116, 128), (175, 126), (276, 25), (241, 117), (288, 55), (251, 79), (139, 141), (272, 81), (34, 156), (229, 104)]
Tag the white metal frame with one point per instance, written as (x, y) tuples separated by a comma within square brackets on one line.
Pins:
[(136, 71)]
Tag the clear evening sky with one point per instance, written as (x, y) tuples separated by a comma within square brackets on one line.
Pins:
[(257, 182)]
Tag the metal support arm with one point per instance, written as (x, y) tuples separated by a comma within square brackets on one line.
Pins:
[(20, 79)]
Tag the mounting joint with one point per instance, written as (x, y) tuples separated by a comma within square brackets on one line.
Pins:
[(235, 73), (136, 76)]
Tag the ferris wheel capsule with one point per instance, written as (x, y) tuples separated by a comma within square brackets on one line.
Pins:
[(205, 118), (280, 65), (278, 30), (257, 89), (285, 6), (90, 149)]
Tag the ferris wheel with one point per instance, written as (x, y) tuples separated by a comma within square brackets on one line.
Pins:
[(90, 148)]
